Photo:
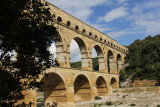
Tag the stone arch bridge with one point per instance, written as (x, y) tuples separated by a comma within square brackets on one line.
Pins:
[(65, 85)]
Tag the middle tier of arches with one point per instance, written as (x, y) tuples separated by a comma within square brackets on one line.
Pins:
[(109, 59)]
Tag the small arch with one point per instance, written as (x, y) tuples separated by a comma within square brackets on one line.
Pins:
[(95, 36), (90, 33), (114, 83), (68, 23), (105, 41), (76, 28), (83, 31), (110, 62), (101, 86), (100, 39), (108, 42), (54, 88), (82, 89), (59, 19)]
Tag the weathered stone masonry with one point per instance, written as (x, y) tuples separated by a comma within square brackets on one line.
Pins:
[(65, 85)]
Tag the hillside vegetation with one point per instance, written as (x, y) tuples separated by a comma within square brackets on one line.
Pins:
[(143, 59)]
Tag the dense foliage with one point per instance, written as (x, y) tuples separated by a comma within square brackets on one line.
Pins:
[(25, 27), (143, 59)]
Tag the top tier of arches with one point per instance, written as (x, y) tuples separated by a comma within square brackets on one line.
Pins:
[(63, 18)]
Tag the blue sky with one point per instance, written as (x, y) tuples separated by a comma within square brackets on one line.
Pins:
[(122, 20)]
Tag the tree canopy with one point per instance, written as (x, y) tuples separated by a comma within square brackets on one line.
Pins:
[(26, 28), (143, 59)]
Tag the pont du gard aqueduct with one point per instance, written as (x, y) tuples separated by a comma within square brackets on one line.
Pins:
[(65, 85)]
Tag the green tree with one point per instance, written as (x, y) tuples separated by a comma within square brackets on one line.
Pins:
[(26, 28)]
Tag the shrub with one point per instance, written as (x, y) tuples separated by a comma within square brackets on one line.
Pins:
[(133, 104), (158, 105), (124, 96), (109, 103), (97, 98)]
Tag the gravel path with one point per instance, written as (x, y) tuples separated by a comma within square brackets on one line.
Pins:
[(121, 99)]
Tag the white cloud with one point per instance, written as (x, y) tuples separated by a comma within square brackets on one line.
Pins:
[(78, 8), (52, 49), (101, 28), (121, 1), (137, 9), (151, 27), (115, 14)]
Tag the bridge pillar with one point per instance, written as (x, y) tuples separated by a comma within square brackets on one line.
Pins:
[(94, 91), (102, 65), (86, 61), (63, 59), (70, 96), (113, 66)]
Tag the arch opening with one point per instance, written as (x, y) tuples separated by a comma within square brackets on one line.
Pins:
[(101, 86), (68, 23), (114, 83), (110, 62), (59, 19), (78, 54), (54, 89), (98, 61), (82, 89), (119, 63)]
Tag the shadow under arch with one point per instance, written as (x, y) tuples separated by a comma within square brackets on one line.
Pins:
[(119, 63), (101, 84), (83, 51), (110, 62), (101, 60), (114, 83), (54, 89), (82, 89)]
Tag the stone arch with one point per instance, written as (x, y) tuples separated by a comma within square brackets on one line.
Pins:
[(101, 86), (119, 63), (110, 62), (101, 60), (84, 53), (114, 83), (59, 19), (82, 89), (54, 88), (77, 28), (84, 30), (68, 23)]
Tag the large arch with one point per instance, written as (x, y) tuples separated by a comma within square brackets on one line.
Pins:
[(114, 83), (101, 86), (119, 63), (82, 89), (54, 89), (101, 60), (83, 51), (110, 62)]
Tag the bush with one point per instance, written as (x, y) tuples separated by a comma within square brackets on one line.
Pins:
[(109, 103), (158, 105), (97, 98), (133, 104)]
